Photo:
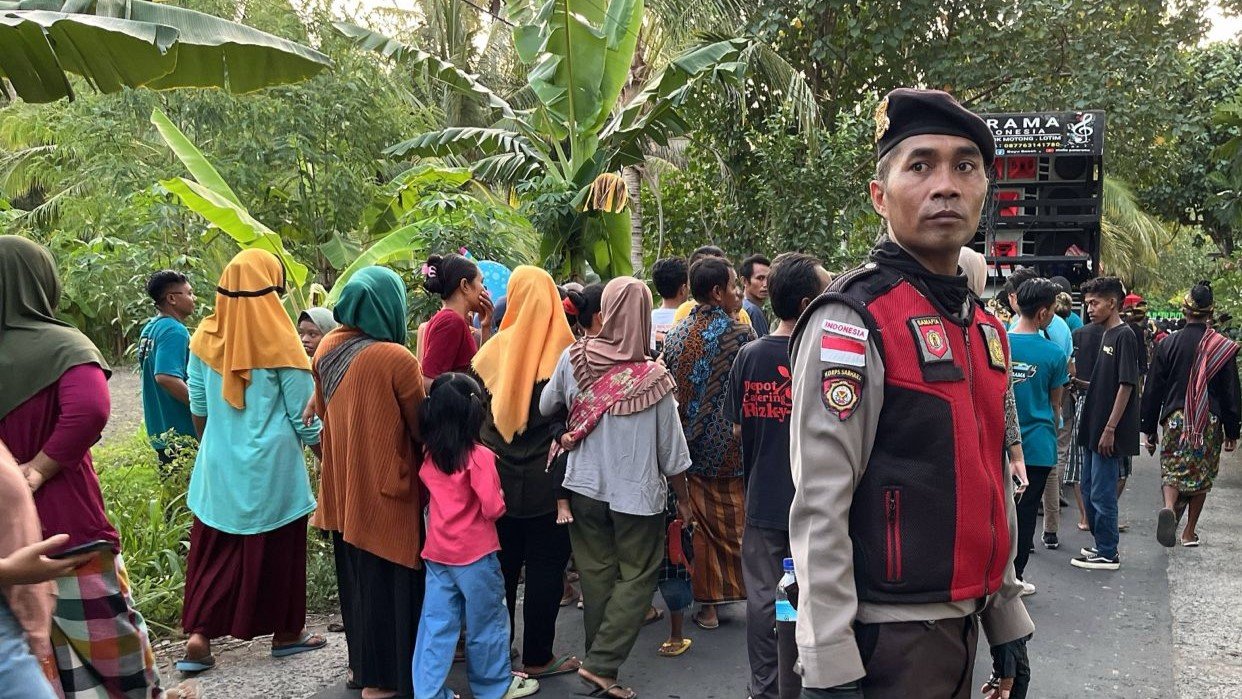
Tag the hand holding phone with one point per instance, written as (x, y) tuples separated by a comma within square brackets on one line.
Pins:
[(82, 549), (31, 564)]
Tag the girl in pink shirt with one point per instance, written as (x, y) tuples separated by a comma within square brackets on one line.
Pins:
[(464, 582)]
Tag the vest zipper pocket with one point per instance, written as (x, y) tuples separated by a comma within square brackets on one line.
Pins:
[(892, 535)]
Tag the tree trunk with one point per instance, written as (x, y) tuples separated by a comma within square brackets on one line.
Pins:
[(634, 186)]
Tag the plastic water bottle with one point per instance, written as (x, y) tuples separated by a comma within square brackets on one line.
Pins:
[(789, 683), (785, 610)]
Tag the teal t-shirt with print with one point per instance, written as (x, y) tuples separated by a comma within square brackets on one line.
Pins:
[(163, 348), (1039, 366)]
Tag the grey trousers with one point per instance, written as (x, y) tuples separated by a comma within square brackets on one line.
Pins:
[(763, 550)]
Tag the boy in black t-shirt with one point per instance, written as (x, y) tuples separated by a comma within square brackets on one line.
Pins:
[(759, 404), (1110, 421)]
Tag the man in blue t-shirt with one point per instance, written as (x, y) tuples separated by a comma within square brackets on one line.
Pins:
[(754, 276), (1040, 372), (163, 353)]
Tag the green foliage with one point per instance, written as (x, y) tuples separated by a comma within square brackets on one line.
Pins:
[(145, 501), (762, 188), (114, 45), (82, 176), (579, 56)]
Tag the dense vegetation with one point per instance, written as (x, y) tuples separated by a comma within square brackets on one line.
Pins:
[(741, 124)]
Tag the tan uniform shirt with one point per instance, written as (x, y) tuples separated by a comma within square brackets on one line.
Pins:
[(828, 457)]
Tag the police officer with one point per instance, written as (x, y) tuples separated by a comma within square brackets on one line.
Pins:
[(903, 521)]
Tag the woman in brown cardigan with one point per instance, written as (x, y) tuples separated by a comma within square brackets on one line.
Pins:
[(368, 389)]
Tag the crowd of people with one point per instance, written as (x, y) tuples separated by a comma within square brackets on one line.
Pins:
[(887, 430)]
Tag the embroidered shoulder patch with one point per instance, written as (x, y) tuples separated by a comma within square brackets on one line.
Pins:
[(838, 349), (929, 335), (841, 390), (855, 332), (996, 351)]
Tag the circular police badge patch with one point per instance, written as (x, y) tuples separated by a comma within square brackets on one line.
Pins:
[(841, 391)]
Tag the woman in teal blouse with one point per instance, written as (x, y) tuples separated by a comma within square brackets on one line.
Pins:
[(249, 379)]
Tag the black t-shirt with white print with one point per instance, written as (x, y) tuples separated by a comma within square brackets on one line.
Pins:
[(1117, 363), (761, 401)]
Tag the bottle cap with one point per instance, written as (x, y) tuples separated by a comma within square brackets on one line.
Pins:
[(788, 565)]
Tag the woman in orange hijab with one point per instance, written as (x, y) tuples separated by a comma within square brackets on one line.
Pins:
[(514, 366), (249, 380)]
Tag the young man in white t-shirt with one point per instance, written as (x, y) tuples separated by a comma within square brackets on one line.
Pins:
[(671, 277)]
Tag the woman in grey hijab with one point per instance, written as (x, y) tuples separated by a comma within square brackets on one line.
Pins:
[(313, 324)]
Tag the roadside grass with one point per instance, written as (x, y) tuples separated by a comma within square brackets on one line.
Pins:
[(145, 501)]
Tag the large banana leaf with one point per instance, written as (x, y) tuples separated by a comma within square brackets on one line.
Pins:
[(37, 47), (607, 244), (192, 157), (234, 220), (579, 53), (652, 113), (432, 66), (404, 243), (132, 43)]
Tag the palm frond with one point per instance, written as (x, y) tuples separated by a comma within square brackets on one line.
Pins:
[(1129, 236)]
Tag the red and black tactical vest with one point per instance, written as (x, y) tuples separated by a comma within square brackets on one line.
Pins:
[(928, 520)]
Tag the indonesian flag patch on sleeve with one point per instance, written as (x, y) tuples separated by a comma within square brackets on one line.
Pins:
[(842, 343), (841, 390)]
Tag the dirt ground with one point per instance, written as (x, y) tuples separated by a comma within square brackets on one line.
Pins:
[(126, 388)]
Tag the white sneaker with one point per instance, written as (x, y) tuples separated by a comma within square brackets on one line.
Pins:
[(1027, 588)]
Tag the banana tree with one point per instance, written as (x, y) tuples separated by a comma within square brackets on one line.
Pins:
[(428, 207), (115, 44), (568, 149), (209, 196)]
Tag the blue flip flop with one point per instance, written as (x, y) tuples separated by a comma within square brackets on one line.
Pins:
[(193, 667), (303, 645)]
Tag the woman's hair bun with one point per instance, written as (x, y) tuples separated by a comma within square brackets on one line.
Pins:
[(433, 281)]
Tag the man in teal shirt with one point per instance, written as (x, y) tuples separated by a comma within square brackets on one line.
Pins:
[(1040, 372), (163, 352)]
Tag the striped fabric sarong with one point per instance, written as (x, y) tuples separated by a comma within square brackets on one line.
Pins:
[(102, 647), (719, 508), (1214, 351)]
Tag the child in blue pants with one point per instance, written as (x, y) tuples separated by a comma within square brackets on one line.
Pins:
[(464, 582)]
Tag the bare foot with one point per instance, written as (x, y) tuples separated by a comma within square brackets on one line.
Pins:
[(570, 664), (563, 514), (197, 647), (190, 689), (608, 684)]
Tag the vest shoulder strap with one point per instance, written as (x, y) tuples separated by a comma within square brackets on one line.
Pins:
[(856, 288)]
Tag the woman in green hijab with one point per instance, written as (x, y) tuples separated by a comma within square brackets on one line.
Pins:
[(368, 388)]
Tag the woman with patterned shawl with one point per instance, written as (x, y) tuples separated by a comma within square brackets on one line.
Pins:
[(626, 448), (53, 408), (1192, 392), (700, 352)]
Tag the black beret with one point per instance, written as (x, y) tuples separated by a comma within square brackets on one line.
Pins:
[(907, 112)]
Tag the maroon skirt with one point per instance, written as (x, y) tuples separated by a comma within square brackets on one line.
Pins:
[(245, 585)]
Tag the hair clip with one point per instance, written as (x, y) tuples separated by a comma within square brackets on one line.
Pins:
[(568, 304), (428, 271)]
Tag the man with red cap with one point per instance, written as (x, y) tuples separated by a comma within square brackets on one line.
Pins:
[(902, 527)]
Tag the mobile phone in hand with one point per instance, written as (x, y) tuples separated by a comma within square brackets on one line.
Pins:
[(88, 547)]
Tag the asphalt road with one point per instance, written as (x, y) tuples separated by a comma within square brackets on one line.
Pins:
[(1099, 634)]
